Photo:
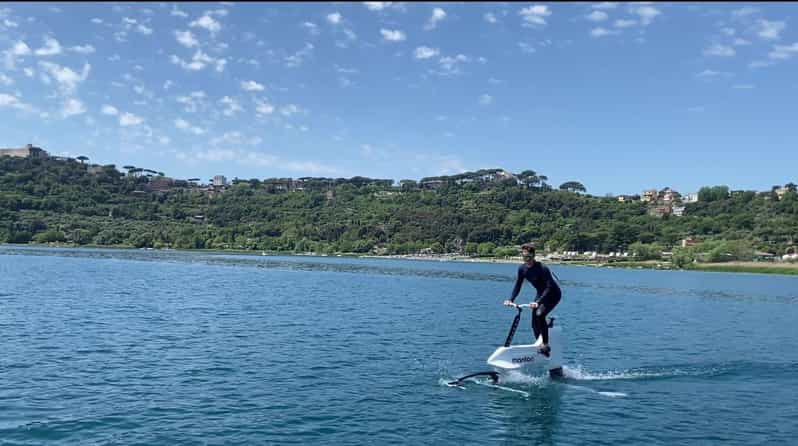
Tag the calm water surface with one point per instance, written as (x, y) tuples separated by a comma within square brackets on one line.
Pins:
[(165, 347)]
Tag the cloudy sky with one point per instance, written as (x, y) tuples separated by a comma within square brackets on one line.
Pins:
[(621, 96)]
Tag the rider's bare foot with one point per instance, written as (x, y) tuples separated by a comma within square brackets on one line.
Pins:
[(544, 350)]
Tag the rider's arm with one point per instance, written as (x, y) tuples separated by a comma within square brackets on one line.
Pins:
[(549, 288), (518, 282)]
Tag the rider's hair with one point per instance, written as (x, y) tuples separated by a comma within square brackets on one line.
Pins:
[(528, 247)]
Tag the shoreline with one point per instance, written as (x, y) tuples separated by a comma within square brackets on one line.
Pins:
[(780, 268)]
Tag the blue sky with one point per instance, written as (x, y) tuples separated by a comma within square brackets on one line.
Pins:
[(620, 96)]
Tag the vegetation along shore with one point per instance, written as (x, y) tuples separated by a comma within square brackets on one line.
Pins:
[(470, 216)]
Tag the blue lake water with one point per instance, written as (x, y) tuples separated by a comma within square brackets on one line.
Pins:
[(165, 347)]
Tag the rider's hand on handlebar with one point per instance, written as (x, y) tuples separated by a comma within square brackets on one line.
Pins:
[(507, 302), (533, 305)]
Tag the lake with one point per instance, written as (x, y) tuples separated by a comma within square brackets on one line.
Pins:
[(105, 346)]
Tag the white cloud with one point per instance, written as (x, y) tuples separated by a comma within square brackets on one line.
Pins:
[(535, 15), (144, 29), (232, 106), (424, 52), (393, 35), (5, 80), (199, 61), (207, 22), (770, 30), (624, 23), (646, 14), (598, 16), (602, 32), (51, 47), (7, 100), (72, 107), (28, 72), (759, 64), (290, 109), (712, 73), (485, 99), (109, 110), (490, 17), (193, 101), (97, 21), (298, 58), (164, 140), (739, 42), (82, 49), (129, 119), (438, 14), (605, 5), (176, 12), (335, 18), (379, 6), (251, 86), (67, 79), (451, 65), (20, 48), (526, 48), (263, 108), (743, 87), (186, 38), (784, 51), (235, 138), (719, 50), (182, 124), (744, 11), (312, 28)]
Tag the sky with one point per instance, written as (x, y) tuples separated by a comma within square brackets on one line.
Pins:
[(619, 96)]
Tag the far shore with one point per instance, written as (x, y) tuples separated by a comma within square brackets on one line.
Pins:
[(784, 268)]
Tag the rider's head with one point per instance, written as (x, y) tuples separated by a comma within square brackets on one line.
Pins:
[(528, 252)]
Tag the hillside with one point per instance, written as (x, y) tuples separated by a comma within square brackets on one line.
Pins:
[(50, 200)]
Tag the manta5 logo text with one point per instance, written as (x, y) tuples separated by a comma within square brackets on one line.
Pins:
[(524, 359)]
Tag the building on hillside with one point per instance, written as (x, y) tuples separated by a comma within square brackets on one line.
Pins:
[(660, 211), (161, 184), (219, 181), (691, 197), (780, 192), (277, 184), (689, 241), (29, 151), (649, 195), (95, 169), (669, 195), (625, 198), (431, 184), (678, 210)]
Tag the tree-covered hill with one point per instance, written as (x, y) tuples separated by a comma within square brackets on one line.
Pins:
[(51, 200)]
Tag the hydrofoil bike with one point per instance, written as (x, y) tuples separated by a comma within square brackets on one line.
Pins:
[(526, 357)]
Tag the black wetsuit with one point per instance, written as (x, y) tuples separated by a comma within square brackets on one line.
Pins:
[(548, 295)]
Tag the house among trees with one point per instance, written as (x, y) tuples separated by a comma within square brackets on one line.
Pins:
[(29, 151)]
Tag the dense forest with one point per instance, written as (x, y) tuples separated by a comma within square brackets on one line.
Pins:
[(478, 213)]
